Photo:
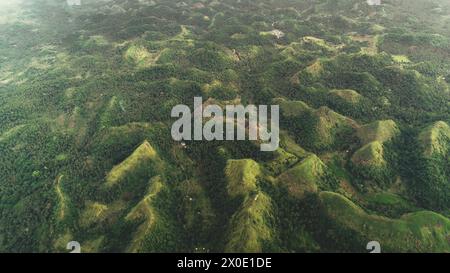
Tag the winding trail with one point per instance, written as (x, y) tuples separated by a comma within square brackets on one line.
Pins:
[(61, 197)]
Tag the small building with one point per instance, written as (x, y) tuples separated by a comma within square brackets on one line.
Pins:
[(277, 33)]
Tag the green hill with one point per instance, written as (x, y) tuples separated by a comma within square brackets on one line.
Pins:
[(241, 176), (370, 155), (303, 178), (382, 131), (141, 157), (145, 212), (416, 232), (251, 227), (348, 96), (320, 129), (431, 185), (329, 126), (435, 139), (292, 108)]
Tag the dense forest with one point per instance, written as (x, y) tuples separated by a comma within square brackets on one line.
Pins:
[(86, 154)]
